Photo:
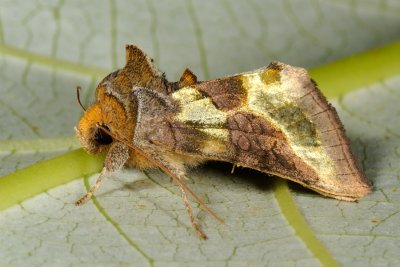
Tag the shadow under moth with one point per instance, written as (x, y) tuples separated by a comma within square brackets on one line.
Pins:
[(274, 120)]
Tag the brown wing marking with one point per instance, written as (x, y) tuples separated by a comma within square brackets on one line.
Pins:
[(226, 94), (259, 145), (176, 136)]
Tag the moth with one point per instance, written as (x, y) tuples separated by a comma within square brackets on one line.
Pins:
[(274, 120)]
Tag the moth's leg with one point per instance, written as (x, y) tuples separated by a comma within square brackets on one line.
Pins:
[(116, 158), (233, 168), (175, 170), (189, 210), (184, 177), (89, 194), (179, 173)]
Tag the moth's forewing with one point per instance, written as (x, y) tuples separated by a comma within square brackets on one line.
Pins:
[(274, 120)]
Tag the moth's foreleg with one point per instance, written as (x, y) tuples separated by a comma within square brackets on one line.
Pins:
[(94, 188), (116, 158)]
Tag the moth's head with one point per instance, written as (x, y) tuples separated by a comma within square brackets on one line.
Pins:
[(114, 110), (107, 113)]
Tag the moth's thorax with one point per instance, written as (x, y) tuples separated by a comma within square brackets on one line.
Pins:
[(109, 112)]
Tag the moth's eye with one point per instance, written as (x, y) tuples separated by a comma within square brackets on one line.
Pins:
[(102, 138)]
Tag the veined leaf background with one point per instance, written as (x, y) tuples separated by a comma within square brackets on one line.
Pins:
[(47, 48)]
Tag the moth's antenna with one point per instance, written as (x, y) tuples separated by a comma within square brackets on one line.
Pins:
[(164, 169), (78, 89)]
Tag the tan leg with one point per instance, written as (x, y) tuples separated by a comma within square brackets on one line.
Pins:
[(115, 159), (233, 168), (94, 188), (190, 213)]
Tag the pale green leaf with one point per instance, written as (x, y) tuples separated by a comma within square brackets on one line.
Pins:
[(47, 48)]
